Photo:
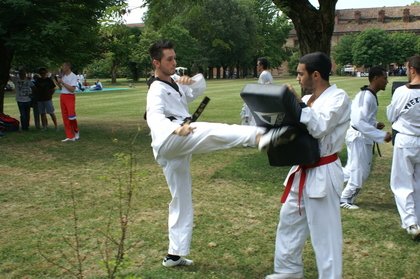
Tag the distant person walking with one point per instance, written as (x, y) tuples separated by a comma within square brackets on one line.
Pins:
[(68, 83), (264, 78), (364, 131), (262, 68)]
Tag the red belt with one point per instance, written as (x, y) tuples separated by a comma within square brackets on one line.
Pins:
[(322, 161)]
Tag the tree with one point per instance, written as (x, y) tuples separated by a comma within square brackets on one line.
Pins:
[(342, 52), (372, 47), (140, 54), (47, 32), (227, 32), (273, 27), (118, 41), (314, 27), (403, 45)]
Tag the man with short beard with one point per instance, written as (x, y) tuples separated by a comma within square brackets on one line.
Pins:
[(364, 131)]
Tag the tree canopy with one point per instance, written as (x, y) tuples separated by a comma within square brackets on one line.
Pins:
[(220, 33), (376, 47)]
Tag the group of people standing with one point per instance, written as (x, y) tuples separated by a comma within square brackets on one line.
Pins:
[(38, 93), (312, 204)]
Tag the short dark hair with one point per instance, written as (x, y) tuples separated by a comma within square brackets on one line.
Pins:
[(263, 61), (414, 61), (42, 70), (157, 48), (68, 64), (376, 71), (317, 61)]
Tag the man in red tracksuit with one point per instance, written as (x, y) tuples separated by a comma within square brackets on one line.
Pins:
[(68, 83)]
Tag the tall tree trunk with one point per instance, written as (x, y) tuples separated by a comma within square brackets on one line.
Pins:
[(218, 72), (210, 69), (6, 56), (314, 28), (114, 73)]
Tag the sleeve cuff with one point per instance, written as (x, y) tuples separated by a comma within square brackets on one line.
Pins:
[(305, 115), (302, 105)]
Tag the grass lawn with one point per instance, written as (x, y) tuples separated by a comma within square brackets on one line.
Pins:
[(236, 198)]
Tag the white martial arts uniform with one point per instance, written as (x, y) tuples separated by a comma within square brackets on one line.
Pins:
[(246, 115), (319, 217), (173, 152), (404, 113), (360, 138), (265, 77)]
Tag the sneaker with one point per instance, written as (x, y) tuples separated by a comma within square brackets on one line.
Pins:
[(284, 276), (347, 205), (277, 136), (77, 135), (414, 231), (168, 262), (68, 139)]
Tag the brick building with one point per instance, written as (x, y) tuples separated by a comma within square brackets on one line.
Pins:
[(351, 21)]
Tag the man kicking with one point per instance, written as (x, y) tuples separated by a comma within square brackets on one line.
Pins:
[(175, 139)]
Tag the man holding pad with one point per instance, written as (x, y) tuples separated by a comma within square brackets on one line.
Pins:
[(312, 195)]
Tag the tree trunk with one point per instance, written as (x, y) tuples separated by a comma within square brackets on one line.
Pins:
[(6, 56), (314, 28), (114, 73), (210, 69)]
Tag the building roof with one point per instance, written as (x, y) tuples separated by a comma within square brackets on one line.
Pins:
[(402, 18)]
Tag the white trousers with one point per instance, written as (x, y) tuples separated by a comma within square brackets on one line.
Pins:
[(174, 157), (405, 184), (357, 169), (246, 116), (321, 220)]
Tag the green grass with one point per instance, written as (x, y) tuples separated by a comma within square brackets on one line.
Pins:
[(236, 197)]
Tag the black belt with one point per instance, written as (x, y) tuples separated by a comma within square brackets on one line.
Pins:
[(374, 144), (195, 115)]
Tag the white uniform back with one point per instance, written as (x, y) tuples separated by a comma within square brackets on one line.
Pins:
[(404, 111)]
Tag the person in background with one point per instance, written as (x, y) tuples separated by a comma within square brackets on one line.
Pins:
[(262, 68), (265, 77), (97, 86), (23, 87), (68, 83), (45, 88), (364, 131), (34, 103)]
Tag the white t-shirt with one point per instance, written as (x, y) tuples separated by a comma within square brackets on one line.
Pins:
[(265, 77), (70, 79)]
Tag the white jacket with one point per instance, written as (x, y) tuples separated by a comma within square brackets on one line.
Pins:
[(164, 101), (363, 119), (327, 120)]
